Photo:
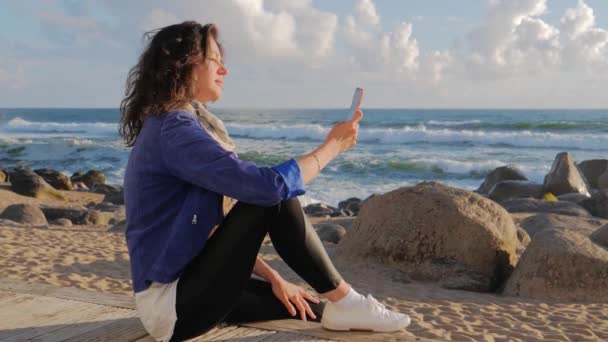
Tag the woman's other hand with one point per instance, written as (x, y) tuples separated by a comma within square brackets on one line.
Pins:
[(293, 296), (345, 133)]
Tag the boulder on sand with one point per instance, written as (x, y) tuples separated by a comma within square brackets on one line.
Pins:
[(435, 232), (561, 265), (564, 177), (26, 182)]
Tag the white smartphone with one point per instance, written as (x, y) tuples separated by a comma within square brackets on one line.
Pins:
[(357, 96)]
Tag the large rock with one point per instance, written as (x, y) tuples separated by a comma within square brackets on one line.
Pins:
[(564, 177), (55, 178), (505, 190), (503, 173), (597, 205), (25, 182), (533, 224), (26, 214), (531, 205), (75, 214), (436, 233), (600, 236), (561, 265), (90, 178), (592, 170)]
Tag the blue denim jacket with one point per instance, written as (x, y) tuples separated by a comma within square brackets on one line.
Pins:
[(173, 186)]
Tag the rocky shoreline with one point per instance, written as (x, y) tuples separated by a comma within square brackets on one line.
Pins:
[(510, 236)]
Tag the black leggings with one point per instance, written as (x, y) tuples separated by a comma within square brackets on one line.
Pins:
[(216, 285)]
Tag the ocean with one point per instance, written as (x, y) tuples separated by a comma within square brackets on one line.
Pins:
[(396, 147)]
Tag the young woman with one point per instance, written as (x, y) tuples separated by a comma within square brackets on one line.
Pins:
[(191, 264)]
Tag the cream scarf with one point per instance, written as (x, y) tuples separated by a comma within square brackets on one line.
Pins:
[(217, 130)]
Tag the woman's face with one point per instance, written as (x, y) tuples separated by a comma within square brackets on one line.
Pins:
[(209, 75)]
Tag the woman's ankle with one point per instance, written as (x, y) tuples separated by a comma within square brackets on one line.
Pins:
[(339, 293)]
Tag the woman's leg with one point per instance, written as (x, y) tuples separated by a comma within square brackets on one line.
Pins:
[(212, 282), (258, 303), (298, 244)]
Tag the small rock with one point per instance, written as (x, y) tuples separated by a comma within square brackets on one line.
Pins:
[(25, 214), (319, 209), (531, 205), (96, 217), (535, 224), (509, 189), (9, 223), (351, 204), (573, 197), (330, 232), (55, 178), (503, 173), (63, 222), (90, 178)]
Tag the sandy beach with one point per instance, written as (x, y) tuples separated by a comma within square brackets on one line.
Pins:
[(94, 258)]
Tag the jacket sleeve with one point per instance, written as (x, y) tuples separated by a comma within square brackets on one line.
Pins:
[(191, 154)]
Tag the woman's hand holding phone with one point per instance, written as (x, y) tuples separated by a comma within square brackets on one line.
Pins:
[(341, 138), (345, 133)]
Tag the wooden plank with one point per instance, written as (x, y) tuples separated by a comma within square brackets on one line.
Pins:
[(58, 319), (315, 330), (125, 329), (71, 293), (288, 337), (239, 334)]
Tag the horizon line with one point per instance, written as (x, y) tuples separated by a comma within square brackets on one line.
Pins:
[(340, 108)]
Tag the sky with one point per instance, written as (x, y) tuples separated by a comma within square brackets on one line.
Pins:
[(313, 53)]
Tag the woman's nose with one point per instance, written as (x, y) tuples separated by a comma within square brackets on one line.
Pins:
[(223, 71)]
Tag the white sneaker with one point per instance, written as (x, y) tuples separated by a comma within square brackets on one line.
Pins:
[(369, 315)]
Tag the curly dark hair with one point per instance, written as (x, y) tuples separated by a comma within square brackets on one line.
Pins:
[(163, 76)]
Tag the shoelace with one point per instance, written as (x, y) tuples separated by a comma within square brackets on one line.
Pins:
[(378, 307)]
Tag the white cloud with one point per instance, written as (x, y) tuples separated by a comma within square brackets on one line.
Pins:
[(366, 13), (584, 44), (369, 48), (286, 45), (514, 41)]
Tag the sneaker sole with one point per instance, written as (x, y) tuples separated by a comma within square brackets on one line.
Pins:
[(360, 329)]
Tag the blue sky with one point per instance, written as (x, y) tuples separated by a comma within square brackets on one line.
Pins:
[(433, 53)]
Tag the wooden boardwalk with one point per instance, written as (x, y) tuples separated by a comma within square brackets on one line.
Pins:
[(40, 312)]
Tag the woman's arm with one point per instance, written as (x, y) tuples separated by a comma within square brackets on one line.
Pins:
[(310, 167), (342, 137), (262, 269)]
